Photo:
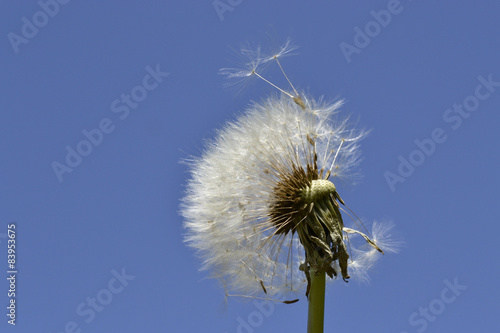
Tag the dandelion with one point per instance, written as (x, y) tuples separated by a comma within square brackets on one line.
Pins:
[(261, 206)]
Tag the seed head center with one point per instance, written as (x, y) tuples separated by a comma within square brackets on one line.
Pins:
[(318, 189)]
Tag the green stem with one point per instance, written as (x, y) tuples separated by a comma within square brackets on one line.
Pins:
[(316, 315)]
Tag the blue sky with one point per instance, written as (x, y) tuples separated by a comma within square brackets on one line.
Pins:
[(133, 87)]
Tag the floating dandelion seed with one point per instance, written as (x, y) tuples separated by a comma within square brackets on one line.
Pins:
[(261, 207)]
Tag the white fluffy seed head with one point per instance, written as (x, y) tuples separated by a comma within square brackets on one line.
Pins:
[(231, 192), (259, 178)]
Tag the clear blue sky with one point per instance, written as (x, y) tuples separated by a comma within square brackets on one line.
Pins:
[(429, 73)]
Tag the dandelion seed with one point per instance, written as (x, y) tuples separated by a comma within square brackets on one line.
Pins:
[(261, 206), (254, 61)]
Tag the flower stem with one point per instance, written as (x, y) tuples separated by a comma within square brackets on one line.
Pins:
[(316, 315)]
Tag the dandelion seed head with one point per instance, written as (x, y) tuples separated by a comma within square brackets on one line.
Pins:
[(247, 190), (261, 207)]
